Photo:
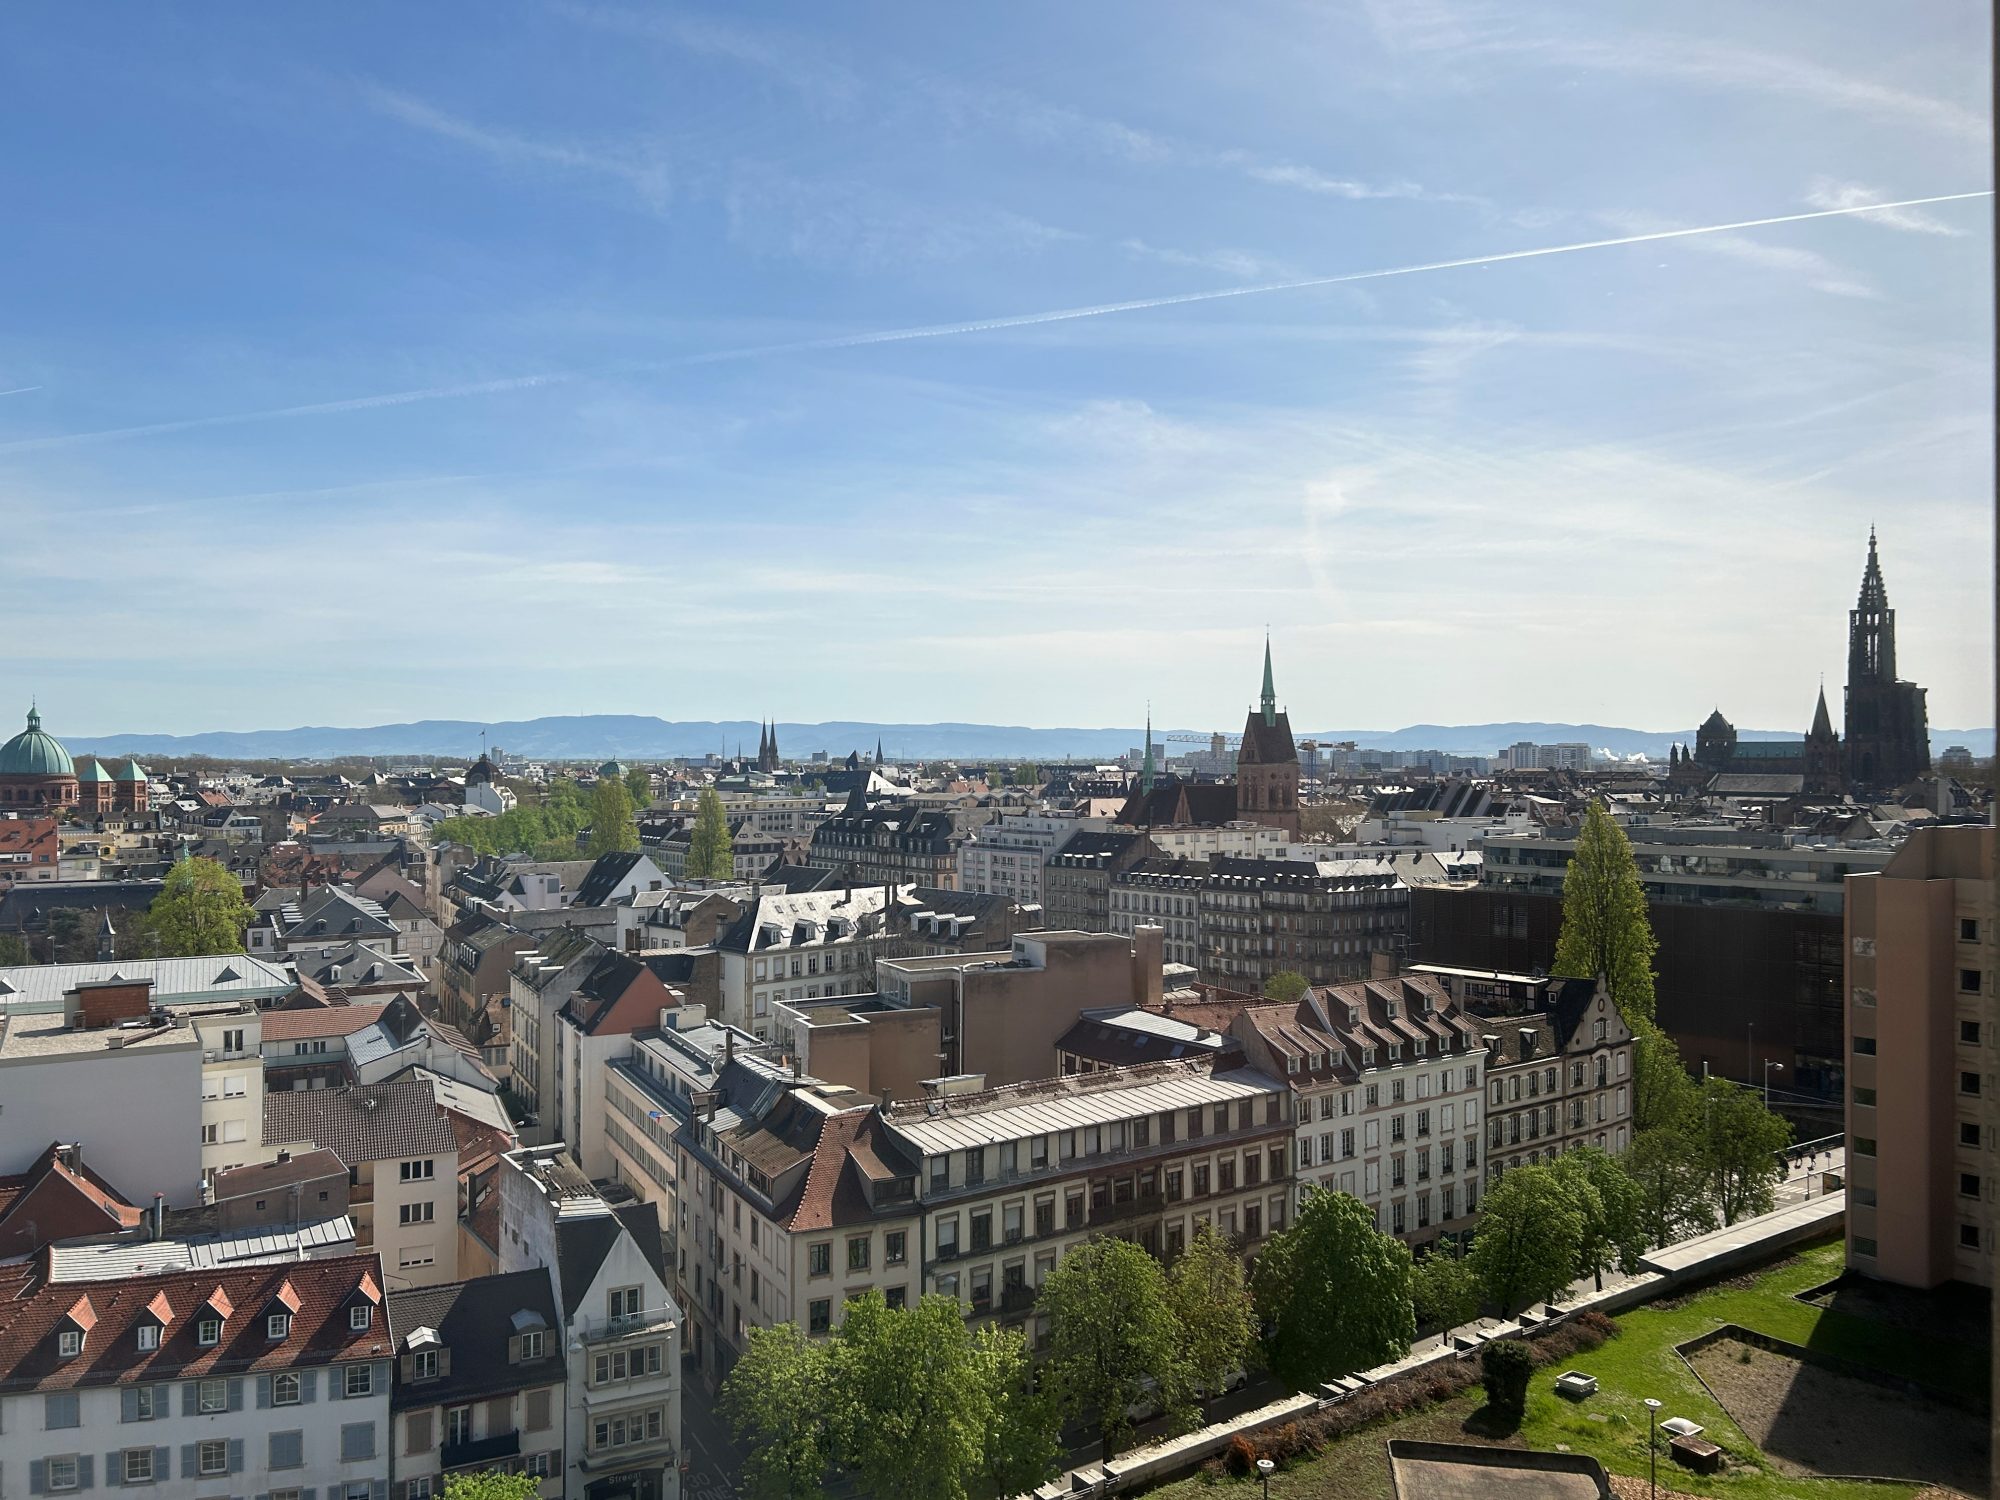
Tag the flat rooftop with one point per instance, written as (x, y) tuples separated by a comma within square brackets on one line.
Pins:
[(38, 1036)]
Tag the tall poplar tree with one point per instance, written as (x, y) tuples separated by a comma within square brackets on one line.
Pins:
[(612, 828), (1604, 928), (711, 852)]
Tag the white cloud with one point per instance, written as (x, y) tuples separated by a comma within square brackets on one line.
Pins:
[(1828, 193)]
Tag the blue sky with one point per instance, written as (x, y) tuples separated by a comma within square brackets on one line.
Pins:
[(388, 361)]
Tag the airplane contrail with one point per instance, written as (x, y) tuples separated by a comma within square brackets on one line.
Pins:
[(20, 390), (955, 330)]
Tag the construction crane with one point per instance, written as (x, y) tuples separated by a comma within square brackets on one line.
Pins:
[(1200, 739)]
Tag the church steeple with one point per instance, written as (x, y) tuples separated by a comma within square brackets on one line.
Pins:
[(1871, 627), (1822, 724), (1270, 699), (1146, 766)]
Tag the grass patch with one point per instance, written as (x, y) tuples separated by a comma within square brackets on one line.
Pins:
[(1641, 1362)]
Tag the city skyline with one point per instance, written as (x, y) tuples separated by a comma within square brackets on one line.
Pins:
[(822, 365)]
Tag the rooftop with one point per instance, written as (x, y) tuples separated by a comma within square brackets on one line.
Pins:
[(37, 1035), (216, 976), (362, 1123)]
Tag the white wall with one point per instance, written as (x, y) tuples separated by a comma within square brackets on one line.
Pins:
[(136, 1112)]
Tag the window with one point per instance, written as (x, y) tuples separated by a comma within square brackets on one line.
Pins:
[(212, 1396), (285, 1390), (212, 1456), (947, 1237), (424, 1364), (532, 1344), (142, 1404), (1864, 1046), (278, 1326), (357, 1440), (1968, 1236), (1968, 1083), (360, 1380), (819, 1259), (1968, 1133), (208, 1332), (149, 1335), (857, 1253), (1968, 1185), (1968, 930), (458, 1425), (1863, 1145), (1864, 1096), (360, 1316), (1968, 981), (417, 1213), (1968, 1033), (1863, 1246), (69, 1343), (895, 1247), (60, 1410), (624, 1303), (418, 1488), (819, 1315), (137, 1465), (62, 1473)]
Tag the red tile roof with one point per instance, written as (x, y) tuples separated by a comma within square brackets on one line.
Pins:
[(319, 1021), (53, 1201), (833, 1195), (319, 1333)]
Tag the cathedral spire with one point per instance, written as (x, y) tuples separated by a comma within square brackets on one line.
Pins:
[(1822, 725), (1270, 699), (1146, 766)]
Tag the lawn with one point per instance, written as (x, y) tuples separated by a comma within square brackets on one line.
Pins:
[(1641, 1362)]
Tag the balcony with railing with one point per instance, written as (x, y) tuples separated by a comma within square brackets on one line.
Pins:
[(481, 1453), (599, 1330)]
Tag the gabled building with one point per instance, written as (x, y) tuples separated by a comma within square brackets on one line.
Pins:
[(1557, 1077), (29, 851), (544, 980), (889, 844), (59, 1197), (270, 1379), (480, 1382), (619, 1326)]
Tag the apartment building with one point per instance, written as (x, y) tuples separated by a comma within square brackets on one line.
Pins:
[(594, 1027), (1557, 1078), (1076, 879), (893, 844), (1386, 1081), (1920, 1029), (543, 979), (1325, 919), (479, 1383), (1005, 858), (1162, 891), (798, 946), (1008, 1180), (269, 1379), (618, 1325), (402, 1162)]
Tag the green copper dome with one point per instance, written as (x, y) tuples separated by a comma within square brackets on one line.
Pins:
[(612, 768), (32, 753)]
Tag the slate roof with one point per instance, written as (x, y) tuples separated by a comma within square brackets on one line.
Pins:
[(25, 907), (363, 1122), (1267, 744), (354, 965), (604, 878), (1093, 848), (323, 1289), (584, 1240), (475, 1320)]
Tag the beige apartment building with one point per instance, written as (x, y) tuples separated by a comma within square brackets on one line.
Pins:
[(1920, 1024)]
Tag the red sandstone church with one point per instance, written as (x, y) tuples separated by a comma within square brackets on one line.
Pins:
[(37, 774)]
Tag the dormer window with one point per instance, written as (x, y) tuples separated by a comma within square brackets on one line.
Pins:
[(208, 1332), (69, 1343), (278, 1326), (532, 1345), (1292, 1062), (360, 1317), (424, 1364), (149, 1336)]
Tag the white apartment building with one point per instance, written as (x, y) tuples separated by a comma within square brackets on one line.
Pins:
[(1005, 857), (619, 1327), (797, 947), (267, 1379), (232, 1084), (1388, 1078), (1163, 893)]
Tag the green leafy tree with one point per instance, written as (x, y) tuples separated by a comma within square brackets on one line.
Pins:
[(1206, 1291), (1445, 1291), (1113, 1339), (491, 1484), (1611, 1208), (1505, 1367), (200, 909), (1333, 1292), (13, 950), (133, 936), (1023, 1431), (639, 785), (1605, 929), (73, 936), (544, 824), (1528, 1239), (1026, 774), (1667, 1166), (1285, 986), (1663, 1094), (777, 1401), (1740, 1141), (711, 851), (911, 1414), (612, 830)]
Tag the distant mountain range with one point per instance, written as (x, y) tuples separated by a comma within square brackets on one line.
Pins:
[(640, 736)]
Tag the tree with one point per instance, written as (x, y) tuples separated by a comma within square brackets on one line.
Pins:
[(1666, 1166), (776, 1399), (711, 853), (491, 1484), (639, 784), (1604, 927), (1505, 1366), (1740, 1141), (1662, 1092), (13, 950), (1445, 1292), (1026, 774), (1611, 1209), (1023, 1433), (200, 909), (1333, 1292), (1206, 1291), (1525, 1249), (911, 1414), (1113, 1339), (1285, 986), (73, 935), (612, 830)]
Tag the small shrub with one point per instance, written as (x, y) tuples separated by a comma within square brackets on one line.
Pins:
[(1506, 1366), (1240, 1457)]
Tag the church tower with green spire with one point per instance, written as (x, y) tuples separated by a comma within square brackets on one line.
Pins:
[(1146, 766), (1267, 762)]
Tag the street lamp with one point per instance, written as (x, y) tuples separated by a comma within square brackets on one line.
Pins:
[(1264, 1468), (1652, 1450), (1768, 1065)]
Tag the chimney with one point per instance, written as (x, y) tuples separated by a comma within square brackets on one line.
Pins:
[(159, 1215), (1149, 959)]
